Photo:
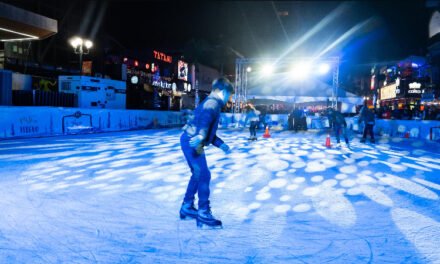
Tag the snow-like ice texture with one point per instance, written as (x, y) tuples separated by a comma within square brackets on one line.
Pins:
[(115, 198)]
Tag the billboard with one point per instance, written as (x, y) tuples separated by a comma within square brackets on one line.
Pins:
[(182, 70)]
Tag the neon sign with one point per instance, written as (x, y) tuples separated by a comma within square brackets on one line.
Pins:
[(162, 56)]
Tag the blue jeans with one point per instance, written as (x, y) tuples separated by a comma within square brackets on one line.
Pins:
[(201, 176), (253, 127), (340, 128)]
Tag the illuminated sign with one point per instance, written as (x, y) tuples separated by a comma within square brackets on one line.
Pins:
[(415, 85), (388, 92), (414, 88), (162, 84), (372, 82), (162, 56), (182, 68)]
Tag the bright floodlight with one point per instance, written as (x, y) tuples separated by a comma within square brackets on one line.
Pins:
[(88, 44), (268, 69), (76, 42), (248, 69), (323, 68), (301, 71)]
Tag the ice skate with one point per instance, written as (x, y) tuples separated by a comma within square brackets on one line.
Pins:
[(206, 219), (254, 138), (363, 140), (372, 140), (188, 211)]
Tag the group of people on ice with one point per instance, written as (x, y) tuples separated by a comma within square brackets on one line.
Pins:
[(200, 131)]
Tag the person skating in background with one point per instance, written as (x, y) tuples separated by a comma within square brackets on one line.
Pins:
[(337, 122), (367, 117), (200, 132), (252, 115)]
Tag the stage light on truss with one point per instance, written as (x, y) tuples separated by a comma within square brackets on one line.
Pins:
[(268, 69), (301, 70), (323, 68), (248, 69)]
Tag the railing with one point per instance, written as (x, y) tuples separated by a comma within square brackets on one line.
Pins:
[(43, 98)]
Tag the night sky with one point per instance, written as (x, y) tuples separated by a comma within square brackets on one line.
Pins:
[(380, 30), (395, 29)]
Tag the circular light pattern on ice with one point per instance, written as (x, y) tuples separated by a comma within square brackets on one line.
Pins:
[(285, 198), (277, 183), (281, 208), (299, 179), (277, 165), (329, 183), (363, 163), (341, 176), (348, 169), (317, 178), (354, 191), (292, 187), (281, 174), (393, 160), (254, 206), (312, 191), (263, 196), (301, 208), (347, 183), (315, 166), (298, 164)]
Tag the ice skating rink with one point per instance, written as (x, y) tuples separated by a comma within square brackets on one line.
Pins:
[(115, 198)]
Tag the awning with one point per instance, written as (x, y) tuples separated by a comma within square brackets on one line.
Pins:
[(18, 24)]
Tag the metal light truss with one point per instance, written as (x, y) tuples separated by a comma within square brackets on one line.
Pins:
[(241, 76)]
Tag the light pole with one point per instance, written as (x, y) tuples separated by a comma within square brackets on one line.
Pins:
[(81, 46)]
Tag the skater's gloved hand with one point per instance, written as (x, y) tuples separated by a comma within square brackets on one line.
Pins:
[(225, 148), (195, 141)]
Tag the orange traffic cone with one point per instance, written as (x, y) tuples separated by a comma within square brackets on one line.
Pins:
[(266, 134), (327, 141)]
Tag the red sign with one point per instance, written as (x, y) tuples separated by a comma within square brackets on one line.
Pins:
[(87, 68), (162, 56)]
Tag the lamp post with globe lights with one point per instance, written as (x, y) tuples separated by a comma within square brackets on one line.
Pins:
[(81, 46)]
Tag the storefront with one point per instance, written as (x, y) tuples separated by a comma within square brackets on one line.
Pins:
[(157, 82)]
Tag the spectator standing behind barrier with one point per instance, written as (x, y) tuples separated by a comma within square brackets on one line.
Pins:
[(337, 121), (367, 117), (252, 115), (201, 132)]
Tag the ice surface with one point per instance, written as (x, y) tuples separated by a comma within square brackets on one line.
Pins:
[(114, 198)]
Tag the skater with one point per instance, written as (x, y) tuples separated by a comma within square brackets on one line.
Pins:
[(253, 117), (337, 121), (367, 117), (200, 132)]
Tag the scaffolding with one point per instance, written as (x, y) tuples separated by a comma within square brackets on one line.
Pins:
[(241, 76)]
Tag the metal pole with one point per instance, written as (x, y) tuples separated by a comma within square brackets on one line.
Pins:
[(80, 59)]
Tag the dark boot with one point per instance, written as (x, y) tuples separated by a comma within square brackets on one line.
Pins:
[(363, 140), (205, 217), (188, 211)]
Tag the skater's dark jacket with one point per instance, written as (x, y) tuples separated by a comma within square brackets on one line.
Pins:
[(336, 118), (205, 122), (366, 116)]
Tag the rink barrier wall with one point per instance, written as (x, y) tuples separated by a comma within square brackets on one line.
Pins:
[(422, 129), (16, 122)]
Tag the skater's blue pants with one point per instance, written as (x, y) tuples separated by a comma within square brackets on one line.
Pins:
[(201, 176), (338, 129), (253, 127)]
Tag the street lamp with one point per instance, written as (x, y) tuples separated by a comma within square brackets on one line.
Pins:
[(81, 46)]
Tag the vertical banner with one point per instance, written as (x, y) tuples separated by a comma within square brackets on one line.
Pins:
[(87, 68)]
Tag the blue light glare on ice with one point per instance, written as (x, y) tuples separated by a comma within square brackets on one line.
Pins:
[(115, 198)]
